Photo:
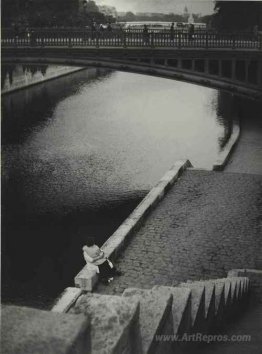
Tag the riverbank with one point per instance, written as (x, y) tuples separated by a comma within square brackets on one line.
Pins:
[(146, 246), (247, 156), (21, 77), (206, 224)]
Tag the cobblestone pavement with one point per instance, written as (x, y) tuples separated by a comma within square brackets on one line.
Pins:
[(207, 224), (247, 157)]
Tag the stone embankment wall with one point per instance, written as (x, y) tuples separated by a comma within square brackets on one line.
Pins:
[(21, 76)]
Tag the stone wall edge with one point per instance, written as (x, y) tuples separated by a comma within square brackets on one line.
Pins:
[(118, 240)]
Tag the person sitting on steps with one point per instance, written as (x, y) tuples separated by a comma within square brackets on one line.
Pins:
[(95, 256)]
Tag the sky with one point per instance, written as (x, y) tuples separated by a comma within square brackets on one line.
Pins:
[(177, 6)]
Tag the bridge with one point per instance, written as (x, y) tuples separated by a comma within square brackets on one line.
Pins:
[(229, 61)]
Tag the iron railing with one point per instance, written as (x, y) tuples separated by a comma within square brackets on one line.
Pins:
[(74, 37)]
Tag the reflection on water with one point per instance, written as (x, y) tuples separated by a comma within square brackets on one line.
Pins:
[(79, 153), (11, 72), (14, 77), (226, 112)]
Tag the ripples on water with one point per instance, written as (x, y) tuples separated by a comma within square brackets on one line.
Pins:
[(79, 153)]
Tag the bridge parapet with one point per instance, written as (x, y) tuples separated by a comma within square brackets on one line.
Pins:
[(229, 61), (78, 37)]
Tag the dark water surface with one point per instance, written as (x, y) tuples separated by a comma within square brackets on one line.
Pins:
[(79, 153)]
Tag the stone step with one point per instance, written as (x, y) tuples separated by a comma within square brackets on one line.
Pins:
[(197, 305), (236, 294), (211, 291), (26, 330), (247, 286), (229, 290), (236, 290), (255, 277), (239, 288), (181, 308), (114, 322), (209, 294), (155, 318), (228, 294), (140, 321), (210, 308)]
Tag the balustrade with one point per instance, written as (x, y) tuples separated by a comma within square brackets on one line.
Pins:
[(46, 37)]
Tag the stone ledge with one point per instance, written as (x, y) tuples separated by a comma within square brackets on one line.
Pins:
[(26, 330), (225, 153), (113, 322), (66, 299), (117, 241), (87, 277), (243, 272)]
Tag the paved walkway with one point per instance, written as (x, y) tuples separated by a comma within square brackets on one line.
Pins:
[(207, 224)]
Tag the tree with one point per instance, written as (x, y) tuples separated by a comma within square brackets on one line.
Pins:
[(130, 16), (90, 6), (39, 13), (208, 20), (237, 15)]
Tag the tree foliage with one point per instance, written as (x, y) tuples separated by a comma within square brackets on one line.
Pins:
[(90, 6), (39, 13), (237, 15)]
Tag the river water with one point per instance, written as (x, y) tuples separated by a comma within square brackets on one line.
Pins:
[(79, 153)]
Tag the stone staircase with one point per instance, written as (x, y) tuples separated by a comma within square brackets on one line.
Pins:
[(165, 318), (159, 320)]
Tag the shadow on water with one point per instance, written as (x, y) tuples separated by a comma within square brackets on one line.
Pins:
[(42, 253)]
